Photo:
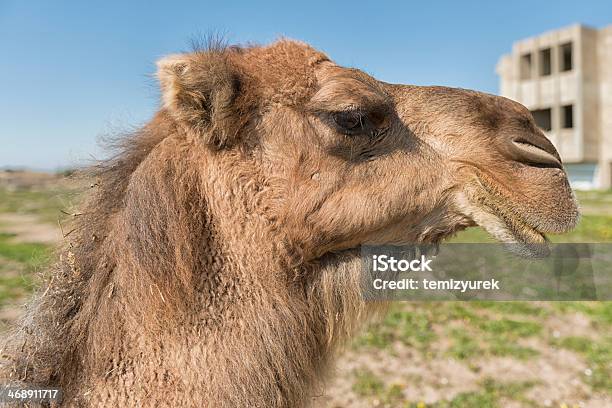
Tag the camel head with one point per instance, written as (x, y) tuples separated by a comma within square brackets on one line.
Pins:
[(216, 258), (339, 159)]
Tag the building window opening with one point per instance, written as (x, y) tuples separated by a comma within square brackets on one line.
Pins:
[(542, 118), (566, 57), (568, 116), (526, 66), (545, 63)]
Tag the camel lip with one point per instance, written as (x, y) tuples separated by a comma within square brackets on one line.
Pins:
[(516, 234), (528, 240)]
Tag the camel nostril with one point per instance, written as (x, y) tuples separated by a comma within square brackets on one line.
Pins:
[(530, 153)]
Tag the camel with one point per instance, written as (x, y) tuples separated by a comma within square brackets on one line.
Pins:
[(216, 259)]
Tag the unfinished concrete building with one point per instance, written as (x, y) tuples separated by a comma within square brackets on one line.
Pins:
[(565, 78)]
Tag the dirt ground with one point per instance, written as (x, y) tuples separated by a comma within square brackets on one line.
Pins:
[(556, 376), (29, 228), (26, 228)]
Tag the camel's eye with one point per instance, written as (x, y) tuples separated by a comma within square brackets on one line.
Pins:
[(349, 121)]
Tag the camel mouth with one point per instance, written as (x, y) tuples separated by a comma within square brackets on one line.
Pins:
[(519, 216), (505, 226), (518, 236), (515, 234)]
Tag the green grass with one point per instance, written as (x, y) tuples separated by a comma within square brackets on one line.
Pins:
[(599, 312), (30, 254), (510, 329), (366, 384), (505, 348), (468, 343), (18, 261), (46, 204), (412, 324), (591, 228), (510, 308), (13, 286), (491, 394), (464, 345), (412, 329), (474, 329), (595, 202)]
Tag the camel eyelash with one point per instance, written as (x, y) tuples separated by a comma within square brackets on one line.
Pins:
[(351, 122)]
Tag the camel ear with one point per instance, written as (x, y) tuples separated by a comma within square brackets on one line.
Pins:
[(200, 90)]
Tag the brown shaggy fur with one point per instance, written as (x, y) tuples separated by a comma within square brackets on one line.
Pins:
[(216, 262)]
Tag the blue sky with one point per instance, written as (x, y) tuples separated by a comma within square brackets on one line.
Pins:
[(73, 71)]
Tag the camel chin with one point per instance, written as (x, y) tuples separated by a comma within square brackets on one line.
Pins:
[(517, 236)]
